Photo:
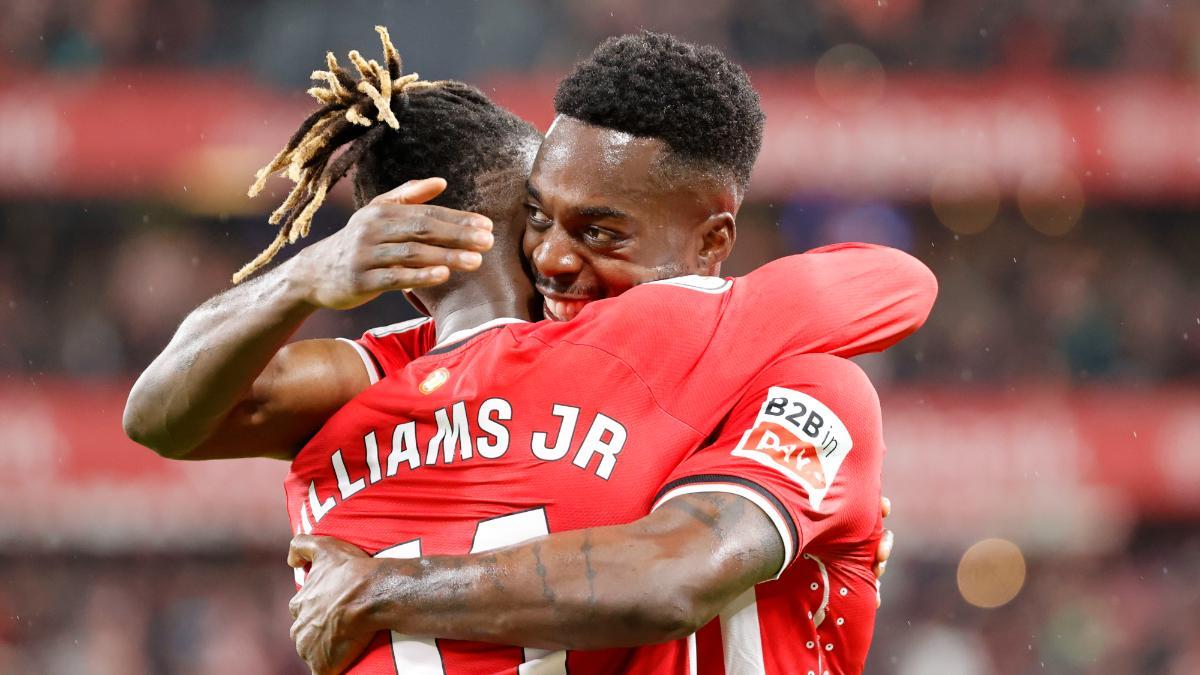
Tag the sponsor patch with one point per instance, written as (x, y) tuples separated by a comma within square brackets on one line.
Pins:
[(801, 438)]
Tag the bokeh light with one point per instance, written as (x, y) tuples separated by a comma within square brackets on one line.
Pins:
[(991, 573), (1051, 199), (965, 198), (850, 78)]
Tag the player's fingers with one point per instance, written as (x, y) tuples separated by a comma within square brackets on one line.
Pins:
[(400, 219), (402, 278), (883, 552), (416, 255), (428, 226), (294, 607), (885, 506), (302, 550), (412, 192), (878, 594)]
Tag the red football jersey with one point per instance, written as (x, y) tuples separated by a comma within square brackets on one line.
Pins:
[(526, 429), (806, 444), (388, 349)]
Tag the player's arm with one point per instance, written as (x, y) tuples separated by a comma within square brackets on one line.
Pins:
[(844, 299), (226, 386), (656, 579), (724, 522)]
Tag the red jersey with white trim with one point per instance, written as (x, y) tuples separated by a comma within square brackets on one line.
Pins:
[(806, 443), (388, 349), (526, 429)]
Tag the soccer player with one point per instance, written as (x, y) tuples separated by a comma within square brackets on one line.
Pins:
[(508, 430), (214, 408), (473, 463)]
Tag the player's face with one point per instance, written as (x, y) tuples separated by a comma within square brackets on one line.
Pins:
[(601, 219)]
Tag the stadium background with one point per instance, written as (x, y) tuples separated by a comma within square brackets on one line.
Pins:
[(1042, 157)]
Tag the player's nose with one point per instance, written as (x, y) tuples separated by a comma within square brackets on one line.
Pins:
[(555, 254)]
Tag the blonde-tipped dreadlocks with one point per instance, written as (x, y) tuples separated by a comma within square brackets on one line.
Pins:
[(343, 116)]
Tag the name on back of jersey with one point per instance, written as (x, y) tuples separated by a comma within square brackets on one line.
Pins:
[(460, 433), (800, 437)]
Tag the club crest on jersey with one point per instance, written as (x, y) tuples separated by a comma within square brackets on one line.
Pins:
[(434, 380), (801, 438)]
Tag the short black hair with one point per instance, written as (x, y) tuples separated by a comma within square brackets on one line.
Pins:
[(451, 130), (655, 85)]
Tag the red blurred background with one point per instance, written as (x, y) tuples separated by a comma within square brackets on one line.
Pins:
[(1042, 158)]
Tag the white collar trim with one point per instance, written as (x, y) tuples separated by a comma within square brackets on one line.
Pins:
[(460, 335)]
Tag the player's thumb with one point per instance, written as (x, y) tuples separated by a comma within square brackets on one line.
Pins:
[(412, 192), (302, 550)]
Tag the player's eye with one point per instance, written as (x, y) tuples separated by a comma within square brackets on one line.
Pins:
[(537, 218), (599, 235)]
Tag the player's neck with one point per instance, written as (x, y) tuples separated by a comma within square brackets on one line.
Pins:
[(455, 313)]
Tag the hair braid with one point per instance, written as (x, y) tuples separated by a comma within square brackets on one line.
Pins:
[(342, 118), (390, 127)]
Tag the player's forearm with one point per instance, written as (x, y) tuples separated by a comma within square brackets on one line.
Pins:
[(212, 361), (655, 580)]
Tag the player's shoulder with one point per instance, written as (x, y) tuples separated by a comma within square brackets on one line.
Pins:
[(387, 349), (820, 367), (838, 382), (674, 300)]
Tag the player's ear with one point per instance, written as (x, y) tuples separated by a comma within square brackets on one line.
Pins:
[(717, 235)]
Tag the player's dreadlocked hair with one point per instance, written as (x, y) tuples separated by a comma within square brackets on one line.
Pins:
[(397, 127), (689, 96)]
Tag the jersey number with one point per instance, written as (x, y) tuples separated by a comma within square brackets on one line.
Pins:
[(420, 656)]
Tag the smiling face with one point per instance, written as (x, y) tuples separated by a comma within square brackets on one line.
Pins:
[(607, 211)]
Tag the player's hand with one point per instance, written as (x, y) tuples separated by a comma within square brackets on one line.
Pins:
[(328, 609), (394, 243), (884, 551)]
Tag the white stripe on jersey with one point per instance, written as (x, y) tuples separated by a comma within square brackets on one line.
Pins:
[(696, 282), (460, 335), (402, 327), (691, 652), (741, 636), (372, 372), (819, 615), (780, 520)]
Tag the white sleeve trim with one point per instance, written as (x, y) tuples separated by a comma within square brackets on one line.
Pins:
[(366, 359), (778, 519)]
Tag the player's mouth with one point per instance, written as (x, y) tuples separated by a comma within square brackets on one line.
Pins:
[(564, 309)]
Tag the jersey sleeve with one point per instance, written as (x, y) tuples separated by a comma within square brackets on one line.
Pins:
[(844, 299), (389, 349), (805, 445)]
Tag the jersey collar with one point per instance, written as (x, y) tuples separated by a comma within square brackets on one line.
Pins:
[(460, 335)]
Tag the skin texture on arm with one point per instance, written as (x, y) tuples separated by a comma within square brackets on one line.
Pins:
[(212, 380), (224, 388), (658, 578)]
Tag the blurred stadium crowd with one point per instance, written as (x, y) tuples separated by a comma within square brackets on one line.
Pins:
[(91, 289), (1146, 35)]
